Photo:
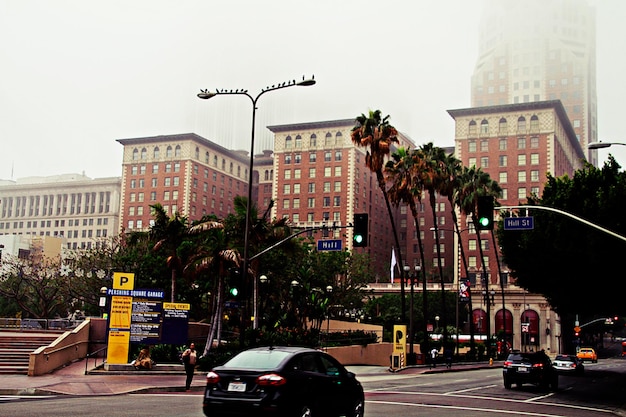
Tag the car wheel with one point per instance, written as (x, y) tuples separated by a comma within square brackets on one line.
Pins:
[(359, 409), (507, 384), (305, 411)]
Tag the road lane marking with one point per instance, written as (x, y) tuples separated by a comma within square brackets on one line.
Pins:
[(478, 397), (466, 408), (469, 389)]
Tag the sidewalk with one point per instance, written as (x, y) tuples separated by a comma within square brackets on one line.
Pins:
[(71, 380)]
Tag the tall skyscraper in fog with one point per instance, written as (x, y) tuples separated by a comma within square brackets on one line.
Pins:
[(540, 50)]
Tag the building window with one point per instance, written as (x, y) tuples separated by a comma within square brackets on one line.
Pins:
[(534, 159), (337, 171), (287, 159), (484, 145), (502, 144), (484, 162), (287, 174), (503, 177), (472, 162), (521, 176), (326, 202), (521, 193), (472, 128), (521, 143), (312, 157), (521, 159), (534, 175), (298, 142), (503, 160), (297, 173), (313, 141), (521, 125), (288, 142), (484, 127), (471, 146), (327, 171), (311, 202), (534, 124), (311, 172), (338, 187), (296, 203), (286, 188), (534, 142)]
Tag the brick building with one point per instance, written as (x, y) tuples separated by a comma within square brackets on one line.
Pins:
[(516, 144), (185, 173)]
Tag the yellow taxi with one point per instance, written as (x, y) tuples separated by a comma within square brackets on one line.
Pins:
[(587, 354)]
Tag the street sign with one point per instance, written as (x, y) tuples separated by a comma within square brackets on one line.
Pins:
[(519, 223), (329, 244)]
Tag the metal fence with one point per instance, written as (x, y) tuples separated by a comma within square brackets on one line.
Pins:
[(9, 323)]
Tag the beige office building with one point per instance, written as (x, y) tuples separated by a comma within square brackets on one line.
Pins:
[(79, 209)]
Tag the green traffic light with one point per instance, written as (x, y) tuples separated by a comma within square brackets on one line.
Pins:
[(234, 292), (483, 221), (358, 238)]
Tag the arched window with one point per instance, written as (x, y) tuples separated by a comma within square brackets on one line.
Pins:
[(298, 142), (530, 322), (502, 126), (534, 124), (168, 152), (144, 153), (214, 160), (177, 151), (521, 125), (288, 142), (480, 321), (338, 139), (197, 153), (313, 141), (230, 168), (328, 140), (472, 128), (156, 153), (206, 158), (500, 323), (135, 154), (267, 175), (223, 164), (484, 127)]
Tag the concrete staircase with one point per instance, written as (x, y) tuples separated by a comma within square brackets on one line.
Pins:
[(16, 347)]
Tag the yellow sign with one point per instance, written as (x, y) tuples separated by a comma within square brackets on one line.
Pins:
[(399, 338), (123, 281), (121, 312), (117, 351), (176, 306)]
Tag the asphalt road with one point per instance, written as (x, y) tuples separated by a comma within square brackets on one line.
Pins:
[(600, 392)]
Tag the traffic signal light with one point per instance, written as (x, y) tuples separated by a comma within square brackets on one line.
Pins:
[(234, 282), (485, 212), (359, 235)]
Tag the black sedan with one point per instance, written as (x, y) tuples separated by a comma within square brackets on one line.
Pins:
[(283, 381), (529, 368)]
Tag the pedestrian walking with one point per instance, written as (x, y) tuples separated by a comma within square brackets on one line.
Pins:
[(433, 357), (189, 360), (448, 355)]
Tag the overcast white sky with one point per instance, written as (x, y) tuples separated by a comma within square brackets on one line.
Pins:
[(76, 75)]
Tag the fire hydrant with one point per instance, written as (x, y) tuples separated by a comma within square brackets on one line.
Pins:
[(490, 361)]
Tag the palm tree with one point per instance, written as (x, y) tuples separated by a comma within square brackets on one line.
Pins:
[(402, 172), (375, 132), (215, 258), (169, 233), (475, 183), (435, 177)]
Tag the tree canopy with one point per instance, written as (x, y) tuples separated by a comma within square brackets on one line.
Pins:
[(576, 267)]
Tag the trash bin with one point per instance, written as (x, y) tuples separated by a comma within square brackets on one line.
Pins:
[(395, 362), (421, 359)]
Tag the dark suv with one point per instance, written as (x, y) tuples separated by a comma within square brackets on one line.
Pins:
[(529, 368)]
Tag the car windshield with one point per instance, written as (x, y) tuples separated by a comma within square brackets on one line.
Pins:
[(257, 359), (564, 358), (527, 357)]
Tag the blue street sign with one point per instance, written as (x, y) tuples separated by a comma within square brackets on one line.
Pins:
[(519, 223), (329, 244)]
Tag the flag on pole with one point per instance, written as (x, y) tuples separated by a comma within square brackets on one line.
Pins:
[(393, 263)]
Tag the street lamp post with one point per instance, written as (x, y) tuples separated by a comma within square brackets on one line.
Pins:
[(412, 277), (600, 145), (206, 94)]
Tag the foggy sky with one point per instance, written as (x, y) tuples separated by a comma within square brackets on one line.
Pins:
[(78, 74)]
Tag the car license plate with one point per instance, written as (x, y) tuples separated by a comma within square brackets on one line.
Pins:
[(522, 369), (237, 386)]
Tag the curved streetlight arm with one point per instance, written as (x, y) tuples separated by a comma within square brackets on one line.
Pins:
[(206, 94), (600, 145), (580, 219)]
